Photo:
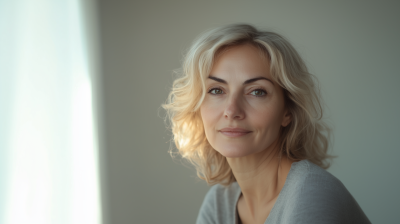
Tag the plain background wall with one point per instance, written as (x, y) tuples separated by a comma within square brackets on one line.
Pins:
[(351, 46)]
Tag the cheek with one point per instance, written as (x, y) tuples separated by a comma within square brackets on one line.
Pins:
[(267, 122), (210, 111), (210, 115)]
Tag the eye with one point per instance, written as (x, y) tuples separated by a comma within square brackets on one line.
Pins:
[(215, 91), (258, 92)]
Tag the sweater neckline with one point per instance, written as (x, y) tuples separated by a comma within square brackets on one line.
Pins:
[(284, 188)]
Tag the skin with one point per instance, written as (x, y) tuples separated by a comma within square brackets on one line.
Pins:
[(258, 107)]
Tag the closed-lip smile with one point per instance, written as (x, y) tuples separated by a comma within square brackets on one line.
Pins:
[(234, 132)]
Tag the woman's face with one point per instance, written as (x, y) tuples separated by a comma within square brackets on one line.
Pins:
[(243, 109)]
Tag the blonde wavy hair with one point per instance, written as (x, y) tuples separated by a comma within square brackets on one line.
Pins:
[(306, 137)]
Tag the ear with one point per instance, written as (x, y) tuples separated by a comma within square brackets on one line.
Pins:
[(287, 118)]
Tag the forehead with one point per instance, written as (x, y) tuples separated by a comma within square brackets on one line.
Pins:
[(244, 61)]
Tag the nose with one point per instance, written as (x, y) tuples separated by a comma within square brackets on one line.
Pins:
[(234, 109)]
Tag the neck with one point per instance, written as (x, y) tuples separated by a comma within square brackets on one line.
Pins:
[(261, 176)]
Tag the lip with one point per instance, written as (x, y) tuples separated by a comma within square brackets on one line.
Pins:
[(234, 132)]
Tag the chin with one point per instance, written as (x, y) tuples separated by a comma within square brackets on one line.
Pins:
[(233, 151)]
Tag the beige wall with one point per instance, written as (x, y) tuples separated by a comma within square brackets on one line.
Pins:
[(352, 47)]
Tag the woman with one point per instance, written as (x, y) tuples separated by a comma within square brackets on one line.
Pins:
[(246, 112)]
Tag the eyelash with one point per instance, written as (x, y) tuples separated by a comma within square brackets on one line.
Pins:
[(258, 89)]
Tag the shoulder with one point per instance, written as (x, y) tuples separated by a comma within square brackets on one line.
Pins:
[(318, 195), (319, 183), (219, 204), (314, 178), (219, 192)]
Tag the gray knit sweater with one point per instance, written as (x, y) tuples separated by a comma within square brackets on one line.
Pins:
[(310, 195)]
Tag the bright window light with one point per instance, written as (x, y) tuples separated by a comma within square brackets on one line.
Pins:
[(49, 170)]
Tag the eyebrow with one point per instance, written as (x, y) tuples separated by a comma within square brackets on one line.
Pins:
[(245, 82)]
